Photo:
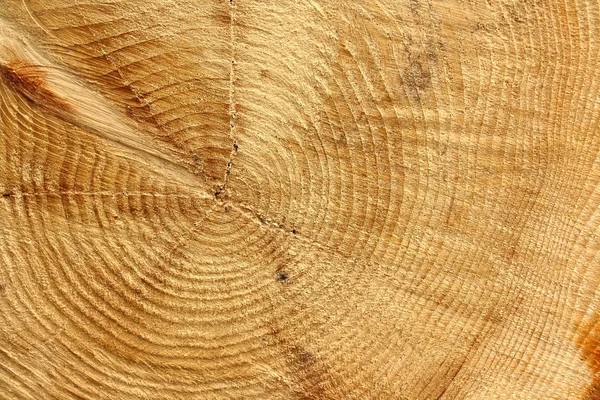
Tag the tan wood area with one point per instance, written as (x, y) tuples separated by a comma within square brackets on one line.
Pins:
[(300, 199)]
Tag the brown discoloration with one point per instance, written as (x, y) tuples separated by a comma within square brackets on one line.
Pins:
[(306, 370), (31, 81), (594, 392), (222, 18), (417, 76), (588, 340)]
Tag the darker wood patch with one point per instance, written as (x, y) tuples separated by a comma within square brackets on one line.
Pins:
[(588, 340), (31, 81), (282, 276), (594, 392), (222, 18), (417, 76), (306, 370)]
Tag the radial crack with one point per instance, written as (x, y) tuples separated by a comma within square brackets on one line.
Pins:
[(220, 193)]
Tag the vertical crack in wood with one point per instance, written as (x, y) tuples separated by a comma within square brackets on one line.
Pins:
[(220, 194)]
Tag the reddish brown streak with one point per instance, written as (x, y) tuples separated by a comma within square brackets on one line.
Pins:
[(31, 81), (589, 343), (594, 393)]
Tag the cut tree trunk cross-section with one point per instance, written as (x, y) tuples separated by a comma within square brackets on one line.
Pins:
[(300, 199)]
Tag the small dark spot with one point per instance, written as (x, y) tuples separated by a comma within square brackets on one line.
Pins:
[(442, 150), (261, 219), (235, 146), (282, 276), (294, 231), (196, 159), (6, 194)]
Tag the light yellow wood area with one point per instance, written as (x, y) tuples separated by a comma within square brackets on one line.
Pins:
[(300, 199)]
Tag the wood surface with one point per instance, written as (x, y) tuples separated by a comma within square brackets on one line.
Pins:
[(299, 199)]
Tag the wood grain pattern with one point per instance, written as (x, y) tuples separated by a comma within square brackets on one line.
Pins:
[(301, 199)]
